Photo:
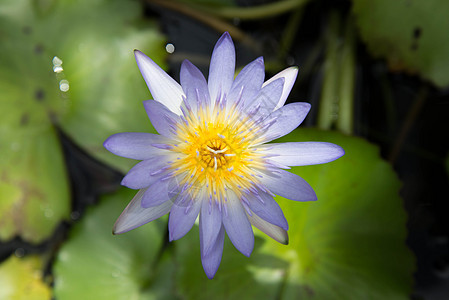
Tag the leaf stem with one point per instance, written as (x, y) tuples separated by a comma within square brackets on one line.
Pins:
[(289, 33), (410, 119), (329, 94), (210, 20), (254, 12), (345, 120)]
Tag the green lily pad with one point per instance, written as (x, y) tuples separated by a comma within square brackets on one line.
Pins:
[(94, 264), (77, 58), (238, 277), (350, 244), (69, 64), (21, 278), (411, 35), (34, 194)]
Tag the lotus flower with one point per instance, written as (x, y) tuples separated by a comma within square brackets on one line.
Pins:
[(211, 158)]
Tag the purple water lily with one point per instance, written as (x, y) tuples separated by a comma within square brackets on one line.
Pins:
[(211, 158)]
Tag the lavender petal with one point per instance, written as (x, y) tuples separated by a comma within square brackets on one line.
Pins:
[(135, 145), (248, 83), (163, 88), (237, 225), (210, 224), (156, 194), (135, 215), (194, 84), (288, 185), (140, 176), (222, 67), (211, 260), (267, 208), (162, 119), (285, 120), (266, 99), (303, 153), (182, 218), (273, 231), (289, 76)]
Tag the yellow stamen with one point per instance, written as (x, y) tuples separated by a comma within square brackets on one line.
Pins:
[(216, 152)]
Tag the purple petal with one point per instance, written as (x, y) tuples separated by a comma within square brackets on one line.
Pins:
[(273, 231), (156, 194), (134, 215), (237, 225), (211, 260), (289, 75), (288, 185), (248, 83), (304, 153), (162, 119), (135, 145), (266, 100), (210, 224), (182, 218), (222, 67), (194, 84), (163, 88), (267, 208), (146, 172), (285, 120)]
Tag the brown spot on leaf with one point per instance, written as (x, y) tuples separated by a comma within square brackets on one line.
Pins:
[(24, 119), (17, 211), (417, 32), (39, 95), (27, 30), (38, 49)]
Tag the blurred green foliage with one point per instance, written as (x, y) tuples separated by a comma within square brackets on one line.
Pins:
[(411, 35), (57, 70), (94, 264), (22, 278)]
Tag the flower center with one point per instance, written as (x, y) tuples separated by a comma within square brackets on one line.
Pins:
[(214, 148), (216, 154)]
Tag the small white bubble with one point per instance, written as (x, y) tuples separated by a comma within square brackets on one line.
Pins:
[(15, 147), (115, 274), (63, 256), (20, 252), (82, 47), (64, 85), (57, 61), (48, 213), (37, 274), (57, 69), (290, 60), (170, 48), (75, 215)]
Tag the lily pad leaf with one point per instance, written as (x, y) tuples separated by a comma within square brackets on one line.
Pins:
[(350, 244), (21, 278), (237, 277), (67, 64), (34, 193), (76, 58), (94, 264), (411, 35)]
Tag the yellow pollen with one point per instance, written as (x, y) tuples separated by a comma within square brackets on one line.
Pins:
[(215, 154)]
